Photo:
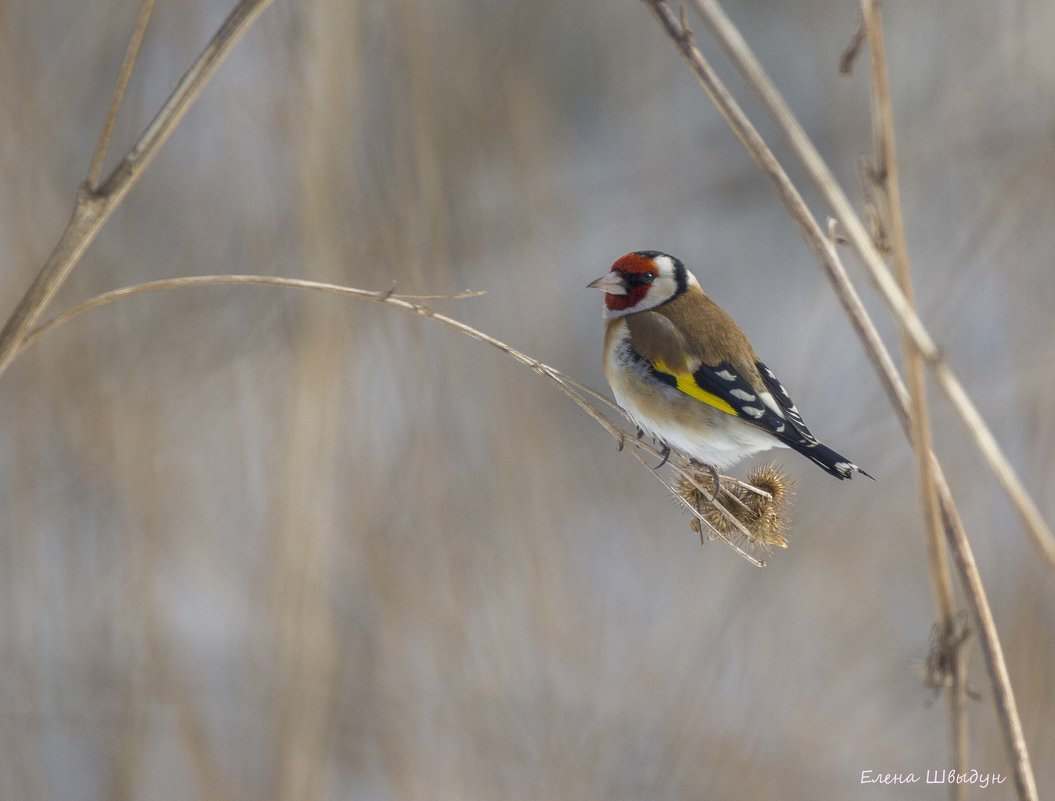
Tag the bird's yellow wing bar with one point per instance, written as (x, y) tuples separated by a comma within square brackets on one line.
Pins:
[(685, 382)]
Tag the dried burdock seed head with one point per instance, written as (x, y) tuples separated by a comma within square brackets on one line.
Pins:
[(764, 518)]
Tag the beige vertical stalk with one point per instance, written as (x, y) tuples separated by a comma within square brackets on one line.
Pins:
[(308, 523), (886, 181)]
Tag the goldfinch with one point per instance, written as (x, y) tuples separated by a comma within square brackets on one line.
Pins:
[(686, 374)]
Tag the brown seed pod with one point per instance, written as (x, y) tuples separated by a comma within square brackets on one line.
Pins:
[(764, 518)]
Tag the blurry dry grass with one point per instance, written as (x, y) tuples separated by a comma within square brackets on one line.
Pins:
[(258, 545)]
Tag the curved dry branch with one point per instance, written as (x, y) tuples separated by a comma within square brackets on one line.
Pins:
[(578, 392), (105, 298)]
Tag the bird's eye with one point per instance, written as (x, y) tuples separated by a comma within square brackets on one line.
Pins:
[(636, 279)]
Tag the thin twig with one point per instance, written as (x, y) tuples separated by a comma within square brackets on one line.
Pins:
[(878, 355), (221, 280), (749, 487), (958, 703), (846, 60), (125, 74), (886, 178), (93, 207), (992, 652), (749, 67), (412, 303)]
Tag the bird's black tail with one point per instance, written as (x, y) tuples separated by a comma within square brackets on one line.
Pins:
[(827, 459)]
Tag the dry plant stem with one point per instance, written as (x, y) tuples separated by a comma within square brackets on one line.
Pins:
[(963, 556), (958, 707), (749, 67), (887, 181), (821, 246), (573, 389), (220, 280), (974, 591), (125, 74), (885, 175), (93, 207)]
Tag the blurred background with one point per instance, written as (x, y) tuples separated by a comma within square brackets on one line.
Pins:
[(258, 543)]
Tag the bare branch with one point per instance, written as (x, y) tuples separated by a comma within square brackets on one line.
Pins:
[(125, 74), (93, 208)]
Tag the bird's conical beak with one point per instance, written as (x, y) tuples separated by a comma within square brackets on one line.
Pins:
[(612, 283)]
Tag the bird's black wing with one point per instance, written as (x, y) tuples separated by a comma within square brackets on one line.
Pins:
[(805, 443), (787, 405), (725, 388)]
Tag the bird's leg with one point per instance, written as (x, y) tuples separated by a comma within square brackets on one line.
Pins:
[(694, 524), (712, 474), (716, 479), (665, 453)]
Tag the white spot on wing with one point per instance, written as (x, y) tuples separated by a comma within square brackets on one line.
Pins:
[(744, 396), (728, 376), (754, 411), (769, 401)]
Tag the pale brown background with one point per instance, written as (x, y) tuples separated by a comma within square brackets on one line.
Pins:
[(258, 544)]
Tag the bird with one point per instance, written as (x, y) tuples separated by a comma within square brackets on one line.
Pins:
[(686, 374)]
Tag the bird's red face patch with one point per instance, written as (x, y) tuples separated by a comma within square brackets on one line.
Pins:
[(638, 272)]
